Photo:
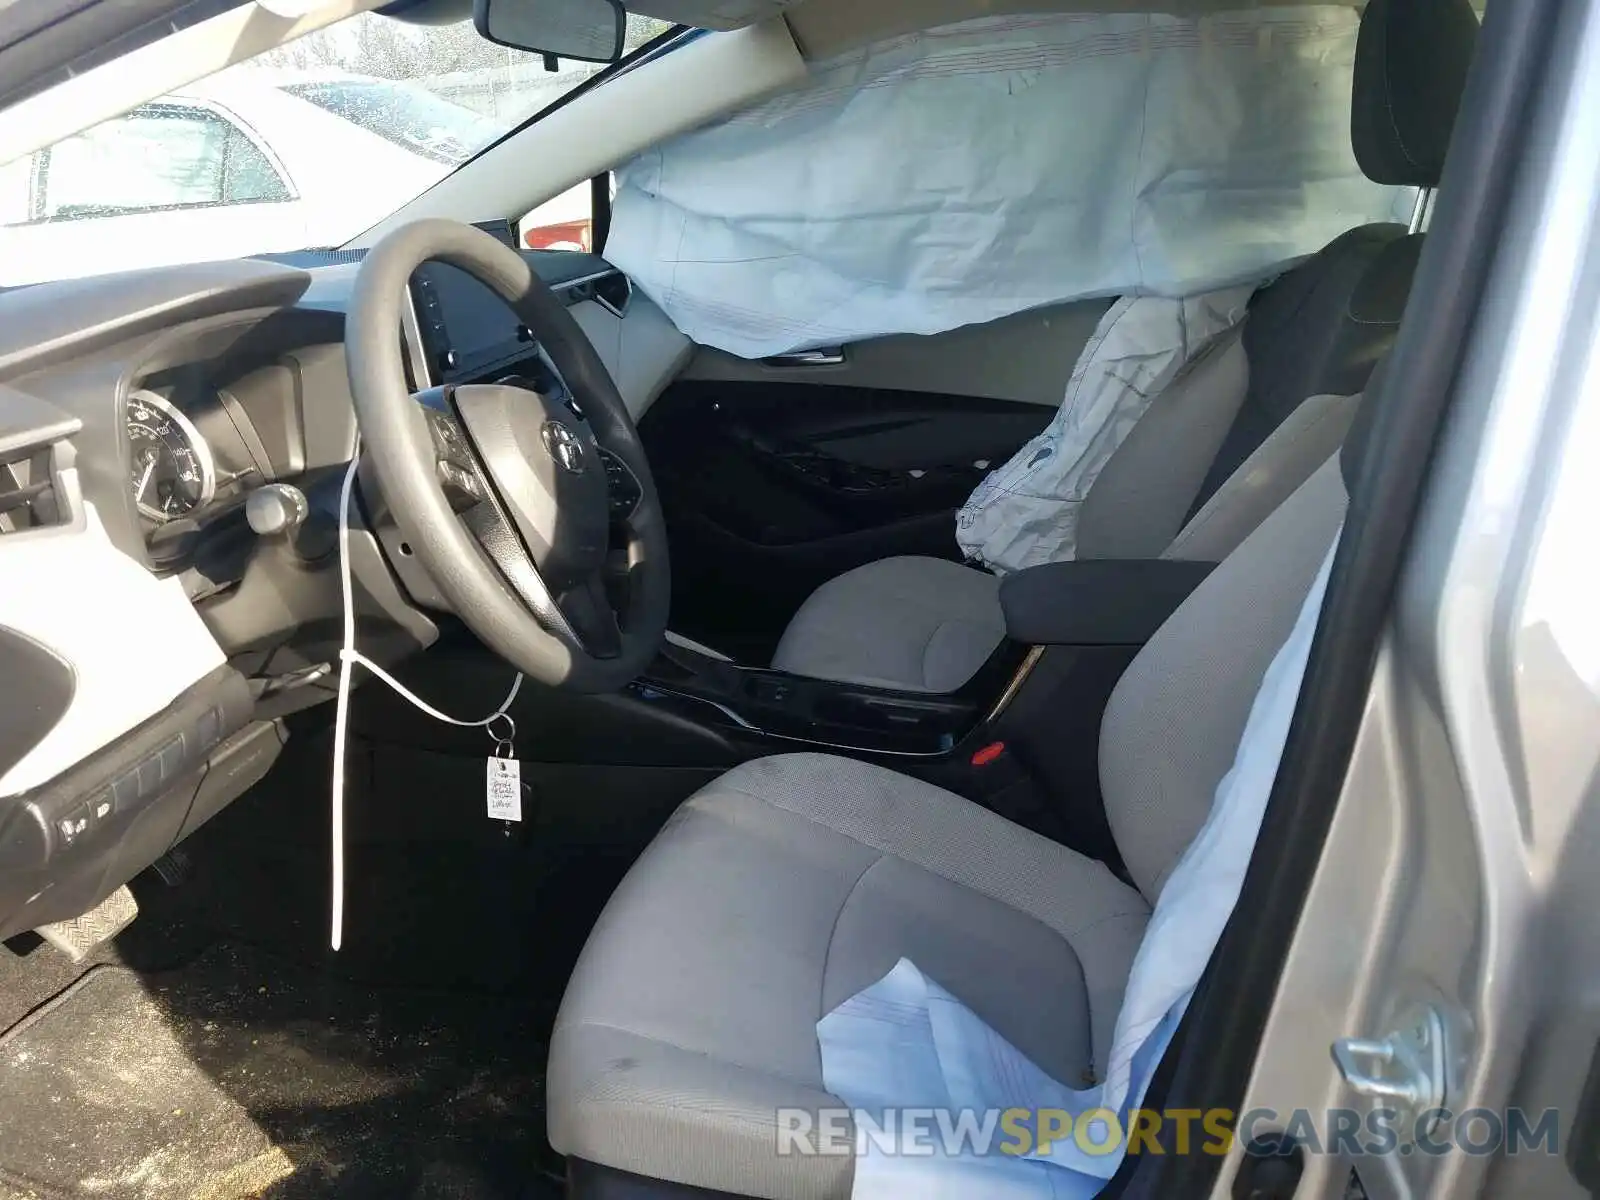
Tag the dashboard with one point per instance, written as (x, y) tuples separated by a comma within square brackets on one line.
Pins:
[(463, 332), (163, 637), (202, 434)]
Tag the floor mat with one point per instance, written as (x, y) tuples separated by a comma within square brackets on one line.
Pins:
[(240, 1075)]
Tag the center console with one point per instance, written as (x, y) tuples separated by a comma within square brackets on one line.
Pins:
[(753, 704), (1021, 737)]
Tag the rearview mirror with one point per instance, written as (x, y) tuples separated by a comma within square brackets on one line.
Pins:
[(588, 30)]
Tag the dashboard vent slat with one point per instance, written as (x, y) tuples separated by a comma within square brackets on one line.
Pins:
[(27, 494)]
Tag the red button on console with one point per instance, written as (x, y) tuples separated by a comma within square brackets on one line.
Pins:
[(988, 754)]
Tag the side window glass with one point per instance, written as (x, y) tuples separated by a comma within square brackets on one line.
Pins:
[(249, 177), (156, 158), (565, 222), (16, 190), (153, 158)]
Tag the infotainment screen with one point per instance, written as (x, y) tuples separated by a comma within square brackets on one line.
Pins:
[(466, 329)]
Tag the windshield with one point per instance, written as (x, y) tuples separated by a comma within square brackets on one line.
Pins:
[(405, 114), (306, 145)]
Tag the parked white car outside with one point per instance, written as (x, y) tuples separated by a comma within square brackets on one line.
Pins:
[(247, 162)]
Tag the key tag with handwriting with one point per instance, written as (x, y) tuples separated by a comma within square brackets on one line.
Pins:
[(504, 777)]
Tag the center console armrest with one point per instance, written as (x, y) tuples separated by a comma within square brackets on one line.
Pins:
[(1099, 602)]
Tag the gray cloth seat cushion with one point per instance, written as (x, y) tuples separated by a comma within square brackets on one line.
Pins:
[(777, 892), (912, 623)]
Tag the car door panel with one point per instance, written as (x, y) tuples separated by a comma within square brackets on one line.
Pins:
[(777, 475), (771, 489), (1026, 357)]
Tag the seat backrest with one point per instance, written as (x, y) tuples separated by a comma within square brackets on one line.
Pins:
[(1317, 330), (1233, 419), (1304, 441), (1172, 725)]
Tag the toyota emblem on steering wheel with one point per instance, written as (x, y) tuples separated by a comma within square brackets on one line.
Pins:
[(563, 446)]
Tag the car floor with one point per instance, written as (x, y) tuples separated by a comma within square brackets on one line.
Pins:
[(218, 1048)]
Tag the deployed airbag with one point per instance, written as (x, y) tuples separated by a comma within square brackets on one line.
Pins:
[(1026, 512), (968, 172)]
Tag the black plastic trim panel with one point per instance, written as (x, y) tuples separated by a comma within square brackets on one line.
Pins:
[(590, 1181), (1097, 602), (67, 843), (41, 688), (560, 268), (49, 323)]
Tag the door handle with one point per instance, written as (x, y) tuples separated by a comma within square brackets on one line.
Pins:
[(824, 356)]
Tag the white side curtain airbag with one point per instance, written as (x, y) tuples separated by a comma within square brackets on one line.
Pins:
[(968, 172)]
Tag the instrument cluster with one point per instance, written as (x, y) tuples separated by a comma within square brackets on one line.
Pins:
[(190, 461), (173, 470)]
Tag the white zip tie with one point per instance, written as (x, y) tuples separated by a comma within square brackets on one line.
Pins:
[(349, 657)]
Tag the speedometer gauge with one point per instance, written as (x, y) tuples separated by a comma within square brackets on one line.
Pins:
[(170, 463)]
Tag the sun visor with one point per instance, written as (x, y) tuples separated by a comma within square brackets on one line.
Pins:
[(969, 172)]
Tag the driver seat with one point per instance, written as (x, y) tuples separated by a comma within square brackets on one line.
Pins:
[(791, 883)]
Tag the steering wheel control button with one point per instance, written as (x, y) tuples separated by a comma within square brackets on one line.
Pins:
[(276, 508), (622, 486), (564, 446), (446, 433), (450, 444), (461, 487)]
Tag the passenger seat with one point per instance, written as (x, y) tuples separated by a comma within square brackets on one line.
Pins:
[(1235, 434)]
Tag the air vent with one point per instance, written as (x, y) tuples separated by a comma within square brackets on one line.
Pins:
[(610, 289), (38, 479), (28, 494), (614, 292)]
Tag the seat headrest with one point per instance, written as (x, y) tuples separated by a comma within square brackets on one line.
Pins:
[(1411, 68)]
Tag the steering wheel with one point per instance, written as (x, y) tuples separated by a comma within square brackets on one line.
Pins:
[(534, 513)]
